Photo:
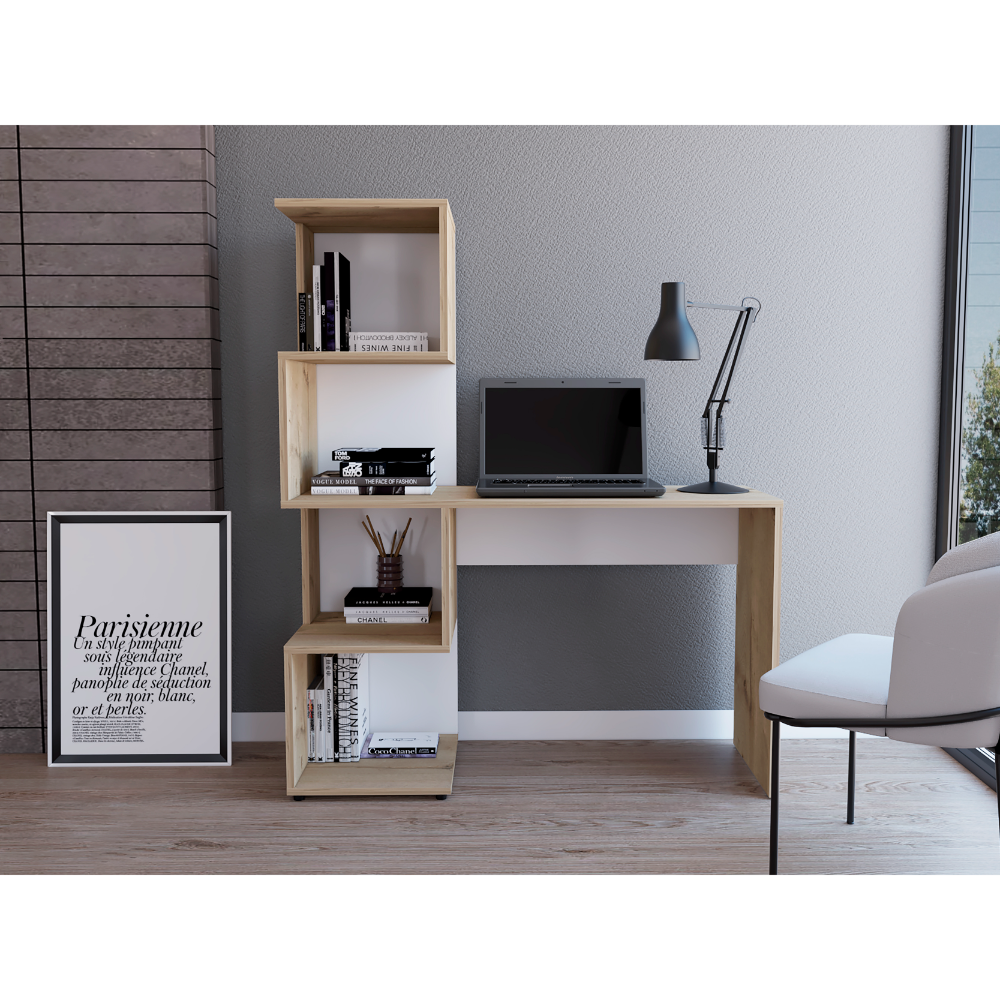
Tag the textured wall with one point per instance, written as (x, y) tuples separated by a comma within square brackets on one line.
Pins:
[(109, 363), (563, 236)]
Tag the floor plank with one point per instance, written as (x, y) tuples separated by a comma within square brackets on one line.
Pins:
[(638, 806)]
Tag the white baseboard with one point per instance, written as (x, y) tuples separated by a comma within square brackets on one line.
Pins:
[(654, 725)]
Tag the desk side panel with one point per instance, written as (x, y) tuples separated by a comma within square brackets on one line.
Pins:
[(758, 614)]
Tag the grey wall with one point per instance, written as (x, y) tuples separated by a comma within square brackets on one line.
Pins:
[(563, 236), (108, 355)]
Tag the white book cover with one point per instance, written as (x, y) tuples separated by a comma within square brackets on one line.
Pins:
[(318, 310), (310, 719), (386, 619), (329, 690), (403, 744), (364, 688)]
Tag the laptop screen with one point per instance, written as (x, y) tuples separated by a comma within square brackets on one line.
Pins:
[(556, 430)]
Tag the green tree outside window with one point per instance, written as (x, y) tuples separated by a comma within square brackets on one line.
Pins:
[(980, 511)]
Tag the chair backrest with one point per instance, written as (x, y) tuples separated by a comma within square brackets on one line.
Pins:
[(946, 648), (979, 554)]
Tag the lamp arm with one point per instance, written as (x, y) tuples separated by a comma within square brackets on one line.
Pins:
[(748, 313)]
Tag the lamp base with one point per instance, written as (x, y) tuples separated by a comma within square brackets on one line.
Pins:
[(712, 487)]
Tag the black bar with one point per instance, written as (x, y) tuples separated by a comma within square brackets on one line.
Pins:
[(934, 720), (775, 758), (850, 776)]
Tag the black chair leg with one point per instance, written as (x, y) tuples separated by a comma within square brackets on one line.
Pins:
[(775, 758), (850, 777)]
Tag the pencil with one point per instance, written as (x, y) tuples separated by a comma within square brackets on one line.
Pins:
[(399, 547), (392, 548), (378, 543)]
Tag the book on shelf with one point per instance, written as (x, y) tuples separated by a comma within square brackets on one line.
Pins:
[(305, 320), (337, 709), (376, 468), (383, 454), (326, 479), (387, 343), (401, 745), (319, 309), (374, 618), (373, 491), (402, 597), (337, 300)]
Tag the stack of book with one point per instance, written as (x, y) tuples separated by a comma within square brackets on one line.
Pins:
[(337, 709), (388, 343), (378, 472), (325, 315), (407, 606)]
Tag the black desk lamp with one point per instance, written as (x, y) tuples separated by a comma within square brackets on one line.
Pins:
[(672, 339)]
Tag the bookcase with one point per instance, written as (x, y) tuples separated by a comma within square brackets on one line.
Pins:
[(402, 255)]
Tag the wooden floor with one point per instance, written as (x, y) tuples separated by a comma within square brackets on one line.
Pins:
[(568, 806)]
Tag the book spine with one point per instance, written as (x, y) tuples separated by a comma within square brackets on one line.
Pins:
[(389, 348), (343, 707), (378, 609), (387, 619), (373, 480), (344, 303), (373, 491), (329, 692), (383, 454), (331, 340), (363, 712), (317, 294), (311, 750), (303, 319), (318, 715), (397, 469)]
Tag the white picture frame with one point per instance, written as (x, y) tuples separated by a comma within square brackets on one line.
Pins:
[(139, 638)]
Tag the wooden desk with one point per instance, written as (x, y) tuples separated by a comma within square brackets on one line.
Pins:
[(758, 588)]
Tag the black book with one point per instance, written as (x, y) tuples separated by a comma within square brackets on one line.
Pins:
[(369, 598), (337, 296), (401, 470), (305, 320), (383, 454)]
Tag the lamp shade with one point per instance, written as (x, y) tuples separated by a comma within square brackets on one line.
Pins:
[(672, 339)]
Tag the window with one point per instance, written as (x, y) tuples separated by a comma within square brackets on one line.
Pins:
[(969, 472)]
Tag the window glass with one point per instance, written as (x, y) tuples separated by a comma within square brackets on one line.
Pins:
[(979, 510)]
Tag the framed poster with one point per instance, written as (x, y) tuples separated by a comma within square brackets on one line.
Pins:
[(139, 638)]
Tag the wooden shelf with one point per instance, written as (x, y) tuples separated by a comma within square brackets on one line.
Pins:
[(366, 358), (418, 776), (329, 633), (376, 215), (466, 496)]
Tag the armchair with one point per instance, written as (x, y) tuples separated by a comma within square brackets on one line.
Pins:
[(936, 681)]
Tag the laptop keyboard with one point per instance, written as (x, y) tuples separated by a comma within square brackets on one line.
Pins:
[(569, 482)]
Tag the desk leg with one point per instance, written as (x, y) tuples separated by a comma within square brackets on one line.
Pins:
[(758, 614)]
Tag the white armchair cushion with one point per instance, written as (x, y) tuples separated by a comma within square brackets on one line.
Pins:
[(967, 558), (946, 658), (847, 677)]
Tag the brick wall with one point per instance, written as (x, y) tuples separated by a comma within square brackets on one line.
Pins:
[(109, 354)]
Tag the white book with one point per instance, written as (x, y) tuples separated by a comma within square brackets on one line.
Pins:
[(319, 307), (336, 300), (354, 491), (310, 728), (387, 619), (403, 744), (329, 704), (318, 715), (360, 609), (361, 735), (387, 343)]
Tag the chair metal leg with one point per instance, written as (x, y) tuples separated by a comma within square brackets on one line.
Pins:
[(775, 758), (850, 777)]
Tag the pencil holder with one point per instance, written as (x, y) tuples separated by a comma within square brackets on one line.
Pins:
[(390, 574)]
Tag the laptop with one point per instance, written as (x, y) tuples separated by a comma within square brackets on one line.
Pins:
[(571, 437)]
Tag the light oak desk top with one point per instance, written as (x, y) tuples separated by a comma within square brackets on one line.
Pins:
[(758, 582)]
